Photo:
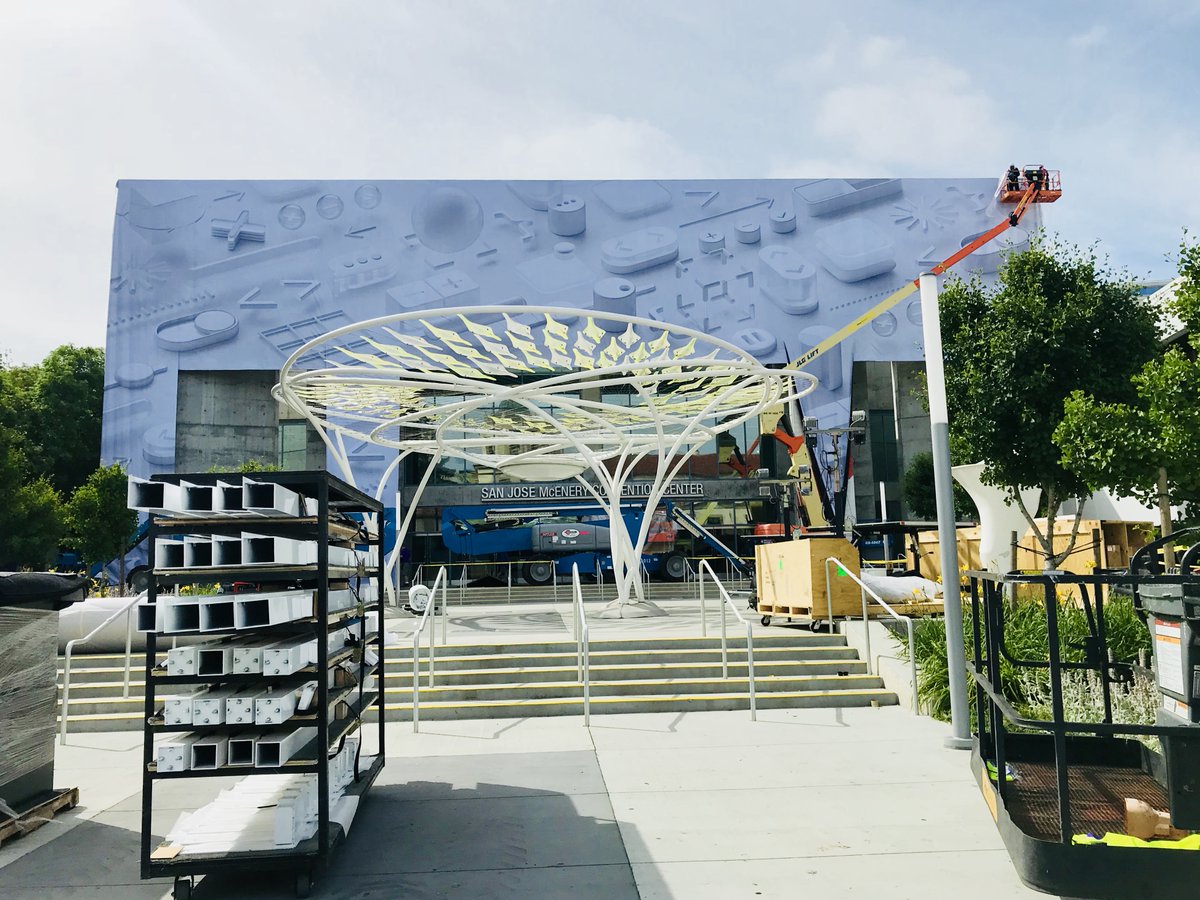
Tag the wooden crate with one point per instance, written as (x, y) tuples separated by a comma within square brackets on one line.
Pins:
[(929, 552), (1107, 545), (791, 578)]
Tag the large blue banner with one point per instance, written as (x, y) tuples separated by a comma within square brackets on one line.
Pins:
[(237, 275)]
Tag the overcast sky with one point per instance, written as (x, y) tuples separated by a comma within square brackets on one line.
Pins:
[(92, 91)]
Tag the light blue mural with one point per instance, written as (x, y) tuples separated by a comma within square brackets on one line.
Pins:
[(236, 275)]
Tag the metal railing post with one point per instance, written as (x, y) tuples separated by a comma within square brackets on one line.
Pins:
[(750, 672), (66, 693), (724, 651), (703, 603), (69, 651), (866, 628), (428, 618), (726, 600), (907, 620), (582, 644), (432, 627), (509, 576), (128, 647)]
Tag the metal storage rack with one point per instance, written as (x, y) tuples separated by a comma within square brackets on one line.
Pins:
[(323, 499)]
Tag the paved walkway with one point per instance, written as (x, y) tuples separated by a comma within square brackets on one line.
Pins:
[(803, 803)]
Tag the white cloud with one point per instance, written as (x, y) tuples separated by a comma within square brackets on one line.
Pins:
[(1085, 40)]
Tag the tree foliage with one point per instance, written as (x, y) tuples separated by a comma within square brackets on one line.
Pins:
[(55, 407), (100, 522), (920, 497), (31, 520), (1059, 321), (69, 404), (1126, 443)]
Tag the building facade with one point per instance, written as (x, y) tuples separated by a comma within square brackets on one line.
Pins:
[(215, 284)]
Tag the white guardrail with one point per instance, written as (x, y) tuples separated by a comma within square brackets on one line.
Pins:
[(127, 611), (430, 609), (908, 622), (583, 650), (727, 601)]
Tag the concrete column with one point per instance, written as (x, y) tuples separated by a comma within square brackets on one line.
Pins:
[(947, 535)]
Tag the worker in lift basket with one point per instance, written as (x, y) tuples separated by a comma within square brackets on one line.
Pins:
[(1044, 176), (1014, 178)]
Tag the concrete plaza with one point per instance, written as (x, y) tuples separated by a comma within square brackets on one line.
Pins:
[(816, 803)]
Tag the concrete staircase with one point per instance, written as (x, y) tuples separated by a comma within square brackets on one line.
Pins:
[(507, 680), (644, 675)]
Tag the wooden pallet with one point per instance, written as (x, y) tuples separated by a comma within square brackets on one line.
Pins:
[(790, 612), (915, 609), (34, 817)]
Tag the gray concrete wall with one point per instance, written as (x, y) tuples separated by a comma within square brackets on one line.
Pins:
[(226, 418)]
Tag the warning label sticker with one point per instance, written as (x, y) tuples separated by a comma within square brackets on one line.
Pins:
[(1168, 653)]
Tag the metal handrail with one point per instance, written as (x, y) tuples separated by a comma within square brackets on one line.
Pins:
[(582, 648), (416, 644), (127, 610), (907, 620), (728, 601)]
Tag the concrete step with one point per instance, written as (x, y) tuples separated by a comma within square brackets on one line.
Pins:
[(623, 671), (639, 687), (641, 703), (621, 657), (400, 677), (87, 702), (540, 678), (796, 640)]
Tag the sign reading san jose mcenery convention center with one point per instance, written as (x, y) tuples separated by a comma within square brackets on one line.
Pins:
[(226, 279), (575, 491)]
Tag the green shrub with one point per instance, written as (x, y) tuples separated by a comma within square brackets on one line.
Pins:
[(1025, 638)]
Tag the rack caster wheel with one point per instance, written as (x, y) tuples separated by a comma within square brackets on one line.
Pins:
[(766, 620), (304, 881), (182, 889)]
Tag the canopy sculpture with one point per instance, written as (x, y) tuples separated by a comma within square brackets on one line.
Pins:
[(530, 393)]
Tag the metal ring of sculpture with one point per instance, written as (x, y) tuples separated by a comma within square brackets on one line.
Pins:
[(523, 391)]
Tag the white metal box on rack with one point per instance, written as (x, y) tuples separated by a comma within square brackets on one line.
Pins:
[(209, 751), (265, 498), (239, 709), (208, 708), (276, 706), (275, 748)]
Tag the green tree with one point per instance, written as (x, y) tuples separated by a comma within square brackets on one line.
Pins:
[(1059, 321), (919, 496), (31, 519), (55, 407), (1128, 442), (99, 519), (68, 407)]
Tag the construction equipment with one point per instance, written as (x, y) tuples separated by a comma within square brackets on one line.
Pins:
[(552, 538), (1034, 184), (1083, 809)]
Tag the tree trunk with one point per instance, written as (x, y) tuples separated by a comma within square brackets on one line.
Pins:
[(121, 573), (1046, 540)]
